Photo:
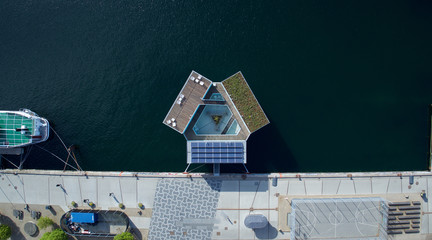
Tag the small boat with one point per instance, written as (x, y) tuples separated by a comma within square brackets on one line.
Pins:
[(22, 128)]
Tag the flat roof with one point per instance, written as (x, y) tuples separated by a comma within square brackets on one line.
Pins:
[(79, 217), (187, 101)]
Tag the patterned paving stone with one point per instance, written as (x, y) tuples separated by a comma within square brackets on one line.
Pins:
[(184, 209)]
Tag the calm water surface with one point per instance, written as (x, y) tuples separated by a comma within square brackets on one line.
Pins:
[(346, 84)]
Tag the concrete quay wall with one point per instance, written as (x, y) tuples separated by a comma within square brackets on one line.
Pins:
[(174, 202), (231, 175)]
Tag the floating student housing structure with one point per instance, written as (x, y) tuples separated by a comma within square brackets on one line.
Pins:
[(216, 119)]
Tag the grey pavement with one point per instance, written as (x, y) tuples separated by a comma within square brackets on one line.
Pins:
[(201, 206)]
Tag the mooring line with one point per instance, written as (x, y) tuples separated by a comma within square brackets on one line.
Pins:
[(57, 157), (74, 158), (25, 157), (64, 145), (9, 161), (67, 160), (196, 168)]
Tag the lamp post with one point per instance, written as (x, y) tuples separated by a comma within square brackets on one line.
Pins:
[(111, 194), (61, 186)]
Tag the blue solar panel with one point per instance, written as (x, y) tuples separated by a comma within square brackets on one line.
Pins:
[(217, 152)]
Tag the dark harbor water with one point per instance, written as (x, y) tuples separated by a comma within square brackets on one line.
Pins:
[(345, 84)]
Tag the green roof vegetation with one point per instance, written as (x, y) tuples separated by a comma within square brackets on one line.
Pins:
[(245, 102)]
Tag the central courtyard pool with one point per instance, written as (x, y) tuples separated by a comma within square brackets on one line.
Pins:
[(214, 120)]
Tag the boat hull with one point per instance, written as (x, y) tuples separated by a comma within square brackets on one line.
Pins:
[(22, 128)]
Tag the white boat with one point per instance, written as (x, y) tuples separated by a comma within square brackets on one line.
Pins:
[(22, 128)]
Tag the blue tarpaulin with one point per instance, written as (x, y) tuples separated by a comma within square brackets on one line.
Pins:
[(83, 217)]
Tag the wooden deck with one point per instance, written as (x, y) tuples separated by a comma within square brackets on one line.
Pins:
[(193, 93)]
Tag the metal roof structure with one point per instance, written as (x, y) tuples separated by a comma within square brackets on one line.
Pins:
[(337, 218), (219, 152)]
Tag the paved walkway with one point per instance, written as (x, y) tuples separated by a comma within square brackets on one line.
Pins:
[(17, 225), (203, 206)]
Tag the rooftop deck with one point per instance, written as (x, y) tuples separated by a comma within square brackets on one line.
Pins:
[(187, 101)]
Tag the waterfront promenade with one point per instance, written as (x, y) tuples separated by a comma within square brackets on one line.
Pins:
[(201, 206)]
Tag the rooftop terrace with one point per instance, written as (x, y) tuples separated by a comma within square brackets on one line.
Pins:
[(187, 101)]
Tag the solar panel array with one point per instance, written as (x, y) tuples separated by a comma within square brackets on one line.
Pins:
[(217, 152)]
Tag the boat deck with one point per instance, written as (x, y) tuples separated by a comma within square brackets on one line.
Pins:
[(9, 122)]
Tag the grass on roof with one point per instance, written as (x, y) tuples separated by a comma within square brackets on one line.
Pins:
[(245, 102)]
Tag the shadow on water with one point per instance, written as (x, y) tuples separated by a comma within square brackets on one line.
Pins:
[(266, 152)]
